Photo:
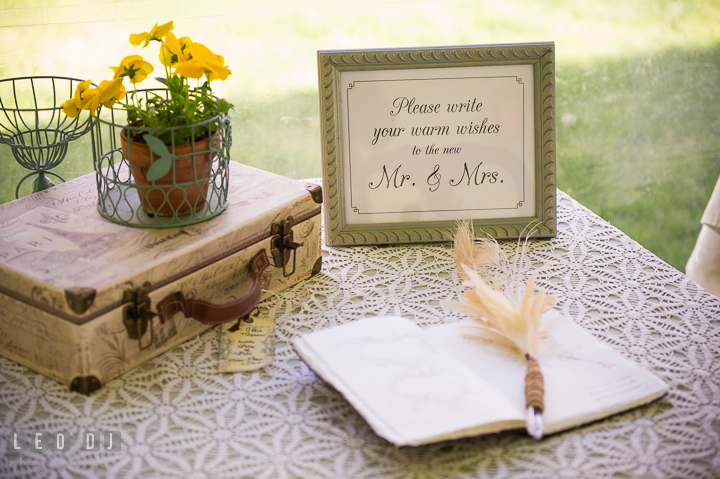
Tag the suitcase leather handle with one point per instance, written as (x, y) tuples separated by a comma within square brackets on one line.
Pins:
[(212, 314)]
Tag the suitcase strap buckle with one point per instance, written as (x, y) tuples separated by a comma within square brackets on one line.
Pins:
[(282, 245), (136, 314)]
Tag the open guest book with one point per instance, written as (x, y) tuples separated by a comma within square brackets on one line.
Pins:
[(417, 385)]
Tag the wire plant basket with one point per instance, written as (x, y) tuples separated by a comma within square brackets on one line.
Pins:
[(192, 185), (33, 125)]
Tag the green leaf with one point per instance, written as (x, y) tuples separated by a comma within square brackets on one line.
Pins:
[(159, 168), (156, 145), (161, 80), (162, 165)]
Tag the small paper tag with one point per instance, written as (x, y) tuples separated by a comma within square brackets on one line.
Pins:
[(249, 348), (163, 331)]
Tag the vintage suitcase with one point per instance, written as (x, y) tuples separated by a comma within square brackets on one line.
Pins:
[(83, 299)]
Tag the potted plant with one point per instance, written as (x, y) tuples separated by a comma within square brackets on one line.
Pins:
[(170, 138)]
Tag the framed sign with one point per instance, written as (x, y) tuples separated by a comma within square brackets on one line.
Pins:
[(416, 139)]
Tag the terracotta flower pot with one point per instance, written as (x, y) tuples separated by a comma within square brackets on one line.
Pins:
[(188, 180)]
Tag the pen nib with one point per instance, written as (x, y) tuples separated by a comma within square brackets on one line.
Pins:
[(534, 423)]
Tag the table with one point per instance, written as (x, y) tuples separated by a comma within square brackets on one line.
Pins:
[(179, 417)]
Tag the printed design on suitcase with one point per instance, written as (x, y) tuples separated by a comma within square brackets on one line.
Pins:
[(63, 249), (115, 355)]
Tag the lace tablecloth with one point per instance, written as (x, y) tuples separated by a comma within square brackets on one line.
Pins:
[(179, 417)]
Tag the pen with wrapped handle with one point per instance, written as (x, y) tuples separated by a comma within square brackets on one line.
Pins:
[(534, 398), (506, 309)]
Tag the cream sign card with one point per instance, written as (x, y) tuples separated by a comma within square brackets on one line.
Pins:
[(416, 139), (438, 144)]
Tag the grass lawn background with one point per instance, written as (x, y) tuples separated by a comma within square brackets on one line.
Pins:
[(637, 84)]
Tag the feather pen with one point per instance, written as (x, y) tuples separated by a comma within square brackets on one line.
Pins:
[(508, 311)]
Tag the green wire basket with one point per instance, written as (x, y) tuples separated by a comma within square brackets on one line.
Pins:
[(33, 125), (193, 182)]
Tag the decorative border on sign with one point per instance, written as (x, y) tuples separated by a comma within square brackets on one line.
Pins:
[(331, 63)]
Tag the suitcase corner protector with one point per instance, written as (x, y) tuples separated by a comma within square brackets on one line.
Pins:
[(315, 192), (317, 267), (85, 384), (79, 299)]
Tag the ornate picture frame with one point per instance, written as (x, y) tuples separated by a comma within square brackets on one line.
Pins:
[(415, 139)]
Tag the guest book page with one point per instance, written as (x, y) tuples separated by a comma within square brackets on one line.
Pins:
[(416, 386), (584, 379)]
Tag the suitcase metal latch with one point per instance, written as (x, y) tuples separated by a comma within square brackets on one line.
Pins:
[(282, 244), (137, 314)]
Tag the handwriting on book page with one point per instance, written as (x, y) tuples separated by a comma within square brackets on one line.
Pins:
[(617, 386)]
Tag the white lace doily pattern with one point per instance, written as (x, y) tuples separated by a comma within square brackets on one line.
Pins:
[(179, 417)]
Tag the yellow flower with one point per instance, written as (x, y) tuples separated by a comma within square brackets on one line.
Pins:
[(138, 38), (185, 42), (173, 50), (111, 91), (72, 107), (133, 67), (69, 107), (80, 89), (169, 50), (202, 62), (218, 71), (90, 100), (157, 33), (87, 98), (189, 69)]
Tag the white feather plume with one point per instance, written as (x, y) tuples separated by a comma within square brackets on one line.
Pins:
[(507, 311)]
